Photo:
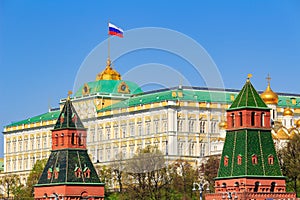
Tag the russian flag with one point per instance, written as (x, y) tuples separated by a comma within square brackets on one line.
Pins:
[(114, 30)]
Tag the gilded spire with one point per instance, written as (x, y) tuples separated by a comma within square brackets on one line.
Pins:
[(249, 76), (69, 94), (108, 73)]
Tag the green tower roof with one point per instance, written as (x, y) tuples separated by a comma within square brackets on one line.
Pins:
[(68, 118), (70, 166), (246, 144), (248, 98)]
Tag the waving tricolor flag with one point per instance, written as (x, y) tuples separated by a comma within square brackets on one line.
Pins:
[(114, 30)]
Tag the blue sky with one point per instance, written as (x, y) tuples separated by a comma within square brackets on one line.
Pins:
[(43, 43)]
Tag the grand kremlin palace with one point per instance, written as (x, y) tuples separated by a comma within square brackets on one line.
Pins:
[(183, 122)]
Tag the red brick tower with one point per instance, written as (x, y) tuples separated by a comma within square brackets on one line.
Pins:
[(249, 167), (69, 173)]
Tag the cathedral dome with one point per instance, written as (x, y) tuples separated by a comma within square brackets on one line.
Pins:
[(269, 96), (223, 124), (108, 73), (288, 112), (298, 123)]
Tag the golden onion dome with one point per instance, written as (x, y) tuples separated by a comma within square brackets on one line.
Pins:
[(288, 112), (298, 123), (223, 124), (269, 96), (282, 135), (108, 73)]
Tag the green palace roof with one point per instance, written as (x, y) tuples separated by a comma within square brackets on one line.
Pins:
[(51, 115), (189, 93), (248, 98), (109, 87)]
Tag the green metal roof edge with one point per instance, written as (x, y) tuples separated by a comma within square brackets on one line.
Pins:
[(36, 119), (250, 176), (187, 95), (68, 183), (250, 107)]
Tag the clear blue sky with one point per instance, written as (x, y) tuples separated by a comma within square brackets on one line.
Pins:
[(43, 43)]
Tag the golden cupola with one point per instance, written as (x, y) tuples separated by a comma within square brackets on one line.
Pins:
[(108, 73), (223, 124), (288, 112), (298, 123), (268, 95)]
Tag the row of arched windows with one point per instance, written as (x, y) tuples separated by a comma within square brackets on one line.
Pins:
[(256, 186), (254, 160), (252, 119), (75, 139)]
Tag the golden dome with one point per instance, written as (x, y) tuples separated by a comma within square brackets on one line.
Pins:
[(298, 123), (288, 112), (282, 135), (223, 125), (108, 73), (269, 96)]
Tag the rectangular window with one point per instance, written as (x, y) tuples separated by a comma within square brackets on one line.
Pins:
[(132, 132)]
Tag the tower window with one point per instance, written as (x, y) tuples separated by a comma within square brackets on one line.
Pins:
[(239, 159), (73, 139), (241, 118), (232, 120), (256, 186), (80, 139), (62, 139), (254, 160), (56, 140), (271, 160), (262, 119), (226, 161), (273, 184), (252, 118)]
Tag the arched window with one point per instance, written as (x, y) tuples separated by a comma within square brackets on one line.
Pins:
[(262, 119), (226, 161), (239, 159), (254, 160), (273, 184), (256, 186), (62, 139), (232, 120), (241, 118), (271, 160), (80, 139), (56, 140), (73, 139), (252, 118)]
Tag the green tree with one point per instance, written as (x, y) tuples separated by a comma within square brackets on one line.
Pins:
[(33, 178), (289, 158), (105, 176), (117, 168), (11, 184), (184, 177), (209, 169), (147, 175)]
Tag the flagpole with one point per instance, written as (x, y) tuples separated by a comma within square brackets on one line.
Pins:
[(108, 42)]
